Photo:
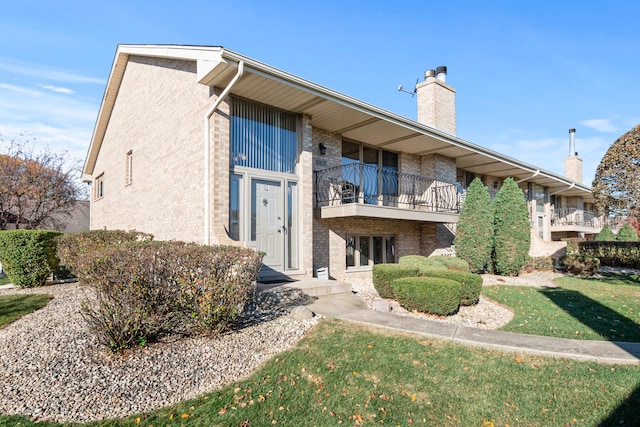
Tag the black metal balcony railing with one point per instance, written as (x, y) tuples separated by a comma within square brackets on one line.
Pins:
[(360, 183), (578, 217)]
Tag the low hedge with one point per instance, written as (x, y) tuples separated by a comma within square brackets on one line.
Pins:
[(470, 283), (384, 274), (613, 254), (73, 246), (433, 295), (580, 265), (146, 289), (28, 256)]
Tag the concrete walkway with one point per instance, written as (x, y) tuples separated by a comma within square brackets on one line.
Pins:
[(347, 306)]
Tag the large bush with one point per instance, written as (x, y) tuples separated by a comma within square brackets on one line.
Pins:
[(605, 235), (74, 246), (146, 289), (433, 295), (421, 262), (613, 254), (471, 284), (451, 262), (28, 256), (385, 274), (474, 231), (580, 265), (511, 229), (627, 234)]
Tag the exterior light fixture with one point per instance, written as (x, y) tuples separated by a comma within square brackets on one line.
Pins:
[(323, 148)]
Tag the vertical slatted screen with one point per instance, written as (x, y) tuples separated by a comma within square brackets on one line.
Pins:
[(263, 137)]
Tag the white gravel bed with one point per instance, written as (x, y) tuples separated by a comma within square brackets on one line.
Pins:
[(484, 315), (53, 369)]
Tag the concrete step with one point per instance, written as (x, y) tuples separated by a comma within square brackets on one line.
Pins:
[(311, 286)]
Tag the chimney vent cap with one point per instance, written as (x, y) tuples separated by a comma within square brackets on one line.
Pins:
[(429, 73), (441, 69), (572, 130)]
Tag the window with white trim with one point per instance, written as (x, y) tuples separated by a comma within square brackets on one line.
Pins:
[(98, 187), (362, 251)]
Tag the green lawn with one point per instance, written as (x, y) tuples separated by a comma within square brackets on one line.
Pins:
[(13, 307), (4, 280), (590, 309), (344, 374)]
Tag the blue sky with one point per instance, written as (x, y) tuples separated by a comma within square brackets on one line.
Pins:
[(525, 72)]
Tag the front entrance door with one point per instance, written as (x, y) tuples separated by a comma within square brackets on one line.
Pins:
[(267, 223)]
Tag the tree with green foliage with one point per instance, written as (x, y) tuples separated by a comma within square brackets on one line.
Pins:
[(512, 234), (616, 186), (627, 234), (605, 235), (474, 231)]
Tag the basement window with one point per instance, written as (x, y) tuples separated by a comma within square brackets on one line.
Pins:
[(364, 251)]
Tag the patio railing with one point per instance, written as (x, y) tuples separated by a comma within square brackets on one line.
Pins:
[(366, 184), (578, 217)]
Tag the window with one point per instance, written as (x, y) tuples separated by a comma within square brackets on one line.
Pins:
[(373, 172), (263, 137), (234, 206), (98, 187), (129, 167), (364, 251)]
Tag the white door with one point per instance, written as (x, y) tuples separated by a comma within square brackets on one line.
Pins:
[(267, 221)]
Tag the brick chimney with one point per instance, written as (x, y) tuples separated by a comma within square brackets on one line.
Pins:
[(437, 101), (573, 163)]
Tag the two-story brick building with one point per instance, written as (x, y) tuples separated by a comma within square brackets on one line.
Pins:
[(203, 144)]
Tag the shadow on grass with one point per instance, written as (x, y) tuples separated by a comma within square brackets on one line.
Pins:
[(627, 414), (612, 326), (609, 324)]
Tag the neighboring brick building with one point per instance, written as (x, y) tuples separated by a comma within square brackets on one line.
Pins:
[(203, 144)]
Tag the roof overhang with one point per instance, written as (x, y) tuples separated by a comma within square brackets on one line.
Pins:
[(330, 110)]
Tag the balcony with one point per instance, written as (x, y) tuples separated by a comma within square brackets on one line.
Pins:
[(359, 190), (572, 219)]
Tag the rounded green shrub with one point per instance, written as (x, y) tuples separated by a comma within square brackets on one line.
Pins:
[(28, 256), (433, 295), (420, 261), (471, 284), (451, 262), (580, 265), (385, 274)]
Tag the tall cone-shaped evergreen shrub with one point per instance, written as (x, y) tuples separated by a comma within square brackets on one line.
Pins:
[(605, 235), (627, 234), (511, 229), (474, 231)]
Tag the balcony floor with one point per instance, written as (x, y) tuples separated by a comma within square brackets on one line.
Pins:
[(385, 212)]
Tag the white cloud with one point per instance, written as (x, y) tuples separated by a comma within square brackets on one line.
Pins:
[(46, 73), (601, 125), (57, 89), (20, 89)]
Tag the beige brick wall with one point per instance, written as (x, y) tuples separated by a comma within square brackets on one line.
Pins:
[(158, 116), (330, 248), (573, 168), (437, 105)]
